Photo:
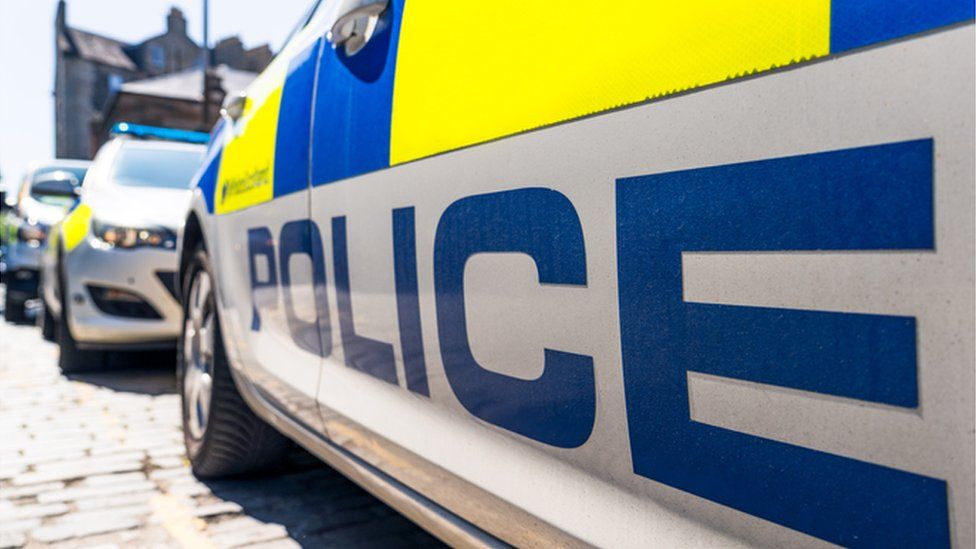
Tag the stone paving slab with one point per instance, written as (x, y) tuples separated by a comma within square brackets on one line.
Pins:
[(97, 461)]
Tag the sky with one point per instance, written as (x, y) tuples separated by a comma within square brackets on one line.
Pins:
[(27, 54)]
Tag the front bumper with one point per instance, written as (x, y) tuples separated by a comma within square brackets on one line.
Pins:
[(22, 283), (93, 267), (23, 265)]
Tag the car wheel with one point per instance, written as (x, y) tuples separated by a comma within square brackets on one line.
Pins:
[(223, 436), (71, 359), (48, 328), (13, 309)]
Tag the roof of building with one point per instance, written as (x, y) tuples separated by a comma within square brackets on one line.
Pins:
[(188, 84), (100, 49)]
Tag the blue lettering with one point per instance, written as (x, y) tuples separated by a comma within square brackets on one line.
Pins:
[(871, 198), (408, 306), (559, 407), (362, 353), (264, 293), (302, 237)]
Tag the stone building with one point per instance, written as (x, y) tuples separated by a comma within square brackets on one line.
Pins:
[(93, 70), (172, 100), (231, 52)]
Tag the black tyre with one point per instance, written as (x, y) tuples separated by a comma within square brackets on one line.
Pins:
[(71, 359), (13, 309), (48, 326), (223, 436)]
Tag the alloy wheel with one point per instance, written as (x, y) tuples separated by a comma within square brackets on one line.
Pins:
[(198, 354)]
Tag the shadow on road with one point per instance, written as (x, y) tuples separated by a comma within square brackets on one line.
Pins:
[(319, 507), (146, 373), (315, 505)]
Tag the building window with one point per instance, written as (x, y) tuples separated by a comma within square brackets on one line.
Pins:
[(157, 56)]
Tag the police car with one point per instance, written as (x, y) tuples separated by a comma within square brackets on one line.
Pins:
[(46, 193), (109, 280), (640, 274)]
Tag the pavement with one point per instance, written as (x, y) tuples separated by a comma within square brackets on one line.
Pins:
[(97, 460)]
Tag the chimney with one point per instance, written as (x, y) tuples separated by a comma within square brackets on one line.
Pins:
[(175, 22), (60, 19)]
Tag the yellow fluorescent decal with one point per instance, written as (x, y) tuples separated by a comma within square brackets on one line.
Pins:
[(246, 176), (75, 226), (470, 72)]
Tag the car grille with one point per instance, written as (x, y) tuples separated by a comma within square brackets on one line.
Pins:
[(122, 303), (168, 278)]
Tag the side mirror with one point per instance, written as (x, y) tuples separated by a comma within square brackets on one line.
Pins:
[(356, 26), (234, 106)]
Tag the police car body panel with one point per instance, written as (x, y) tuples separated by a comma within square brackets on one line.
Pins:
[(738, 315), (109, 276)]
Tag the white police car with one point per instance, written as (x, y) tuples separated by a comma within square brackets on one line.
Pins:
[(646, 274), (109, 280)]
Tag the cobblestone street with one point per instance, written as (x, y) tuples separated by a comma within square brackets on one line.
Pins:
[(97, 460)]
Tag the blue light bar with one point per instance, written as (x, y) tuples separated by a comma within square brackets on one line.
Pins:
[(153, 132)]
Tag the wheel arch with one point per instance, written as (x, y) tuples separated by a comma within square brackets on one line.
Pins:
[(192, 239)]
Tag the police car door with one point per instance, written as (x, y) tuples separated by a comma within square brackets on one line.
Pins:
[(745, 311), (355, 214), (266, 242)]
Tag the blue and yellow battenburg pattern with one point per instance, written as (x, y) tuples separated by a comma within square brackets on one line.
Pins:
[(440, 79)]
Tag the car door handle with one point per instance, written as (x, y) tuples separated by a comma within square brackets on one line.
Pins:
[(357, 25), (234, 106)]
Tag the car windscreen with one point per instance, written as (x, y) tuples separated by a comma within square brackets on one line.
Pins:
[(150, 167), (78, 173), (56, 187)]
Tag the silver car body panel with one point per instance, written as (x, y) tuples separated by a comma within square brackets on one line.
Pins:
[(24, 255)]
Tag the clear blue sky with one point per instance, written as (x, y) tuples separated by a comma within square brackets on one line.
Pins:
[(27, 54)]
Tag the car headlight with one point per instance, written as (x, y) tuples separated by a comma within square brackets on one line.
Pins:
[(31, 232), (134, 237)]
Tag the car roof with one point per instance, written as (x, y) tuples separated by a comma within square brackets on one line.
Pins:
[(59, 163), (56, 175)]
